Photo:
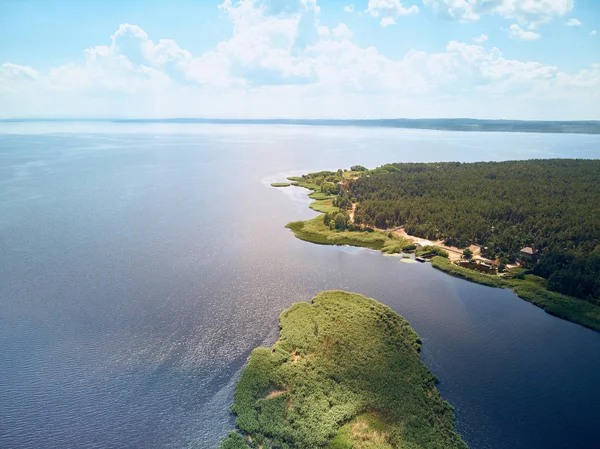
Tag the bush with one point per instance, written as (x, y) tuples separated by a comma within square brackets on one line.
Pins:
[(358, 168), (430, 250)]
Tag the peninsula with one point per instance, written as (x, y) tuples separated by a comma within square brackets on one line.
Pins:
[(532, 226), (344, 373)]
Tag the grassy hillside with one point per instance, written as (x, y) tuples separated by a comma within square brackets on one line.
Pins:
[(345, 373)]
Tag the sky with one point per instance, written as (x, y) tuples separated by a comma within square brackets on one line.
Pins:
[(496, 59)]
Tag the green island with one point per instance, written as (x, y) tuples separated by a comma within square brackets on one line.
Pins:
[(280, 184), (344, 373), (531, 226)]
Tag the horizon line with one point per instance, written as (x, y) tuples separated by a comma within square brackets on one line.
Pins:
[(271, 119)]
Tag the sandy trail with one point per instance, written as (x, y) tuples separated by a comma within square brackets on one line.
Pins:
[(454, 253)]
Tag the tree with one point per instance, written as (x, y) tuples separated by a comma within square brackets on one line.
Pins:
[(468, 254), (552, 205), (341, 221), (234, 441), (358, 168)]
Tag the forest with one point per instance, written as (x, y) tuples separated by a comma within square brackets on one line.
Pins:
[(551, 205)]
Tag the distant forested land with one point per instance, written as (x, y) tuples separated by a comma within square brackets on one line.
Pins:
[(442, 124), (550, 205), (344, 373)]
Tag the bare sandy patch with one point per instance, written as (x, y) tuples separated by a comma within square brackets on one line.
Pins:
[(275, 393)]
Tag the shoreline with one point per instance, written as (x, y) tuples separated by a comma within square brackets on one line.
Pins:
[(529, 287), (584, 127)]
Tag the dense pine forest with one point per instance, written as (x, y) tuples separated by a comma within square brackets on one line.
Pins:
[(552, 206)]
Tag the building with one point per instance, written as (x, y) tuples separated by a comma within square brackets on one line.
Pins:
[(528, 255)]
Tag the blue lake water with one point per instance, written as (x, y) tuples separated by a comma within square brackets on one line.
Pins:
[(141, 263)]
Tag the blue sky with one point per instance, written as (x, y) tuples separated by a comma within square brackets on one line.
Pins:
[(523, 59)]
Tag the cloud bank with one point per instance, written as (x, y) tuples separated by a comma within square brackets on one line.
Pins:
[(286, 64)]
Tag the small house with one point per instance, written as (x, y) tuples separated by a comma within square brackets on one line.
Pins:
[(528, 255)]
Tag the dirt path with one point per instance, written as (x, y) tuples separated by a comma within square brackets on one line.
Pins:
[(454, 253), (351, 214)]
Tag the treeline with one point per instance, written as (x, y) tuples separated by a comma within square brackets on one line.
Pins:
[(550, 205)]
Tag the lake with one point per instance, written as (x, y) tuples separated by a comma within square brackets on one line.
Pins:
[(141, 263)]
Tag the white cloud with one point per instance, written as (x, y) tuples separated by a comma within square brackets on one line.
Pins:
[(349, 8), (453, 9), (573, 23), (481, 38), (285, 64), (387, 21), (342, 31), (593, 33), (389, 10), (15, 71), (516, 32), (323, 31), (528, 12)]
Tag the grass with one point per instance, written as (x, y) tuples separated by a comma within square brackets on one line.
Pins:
[(396, 245), (320, 196), (431, 251), (348, 374), (366, 431), (315, 231), (280, 184), (533, 289), (323, 203), (443, 264), (323, 206), (302, 182)]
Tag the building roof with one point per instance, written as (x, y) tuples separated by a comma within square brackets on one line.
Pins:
[(528, 250)]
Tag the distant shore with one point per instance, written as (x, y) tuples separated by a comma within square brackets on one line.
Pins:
[(439, 124)]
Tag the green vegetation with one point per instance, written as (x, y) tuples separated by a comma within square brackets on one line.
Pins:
[(315, 231), (550, 205), (345, 373), (335, 226), (280, 184), (398, 245), (323, 202), (431, 251), (531, 288), (446, 266), (358, 168)]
